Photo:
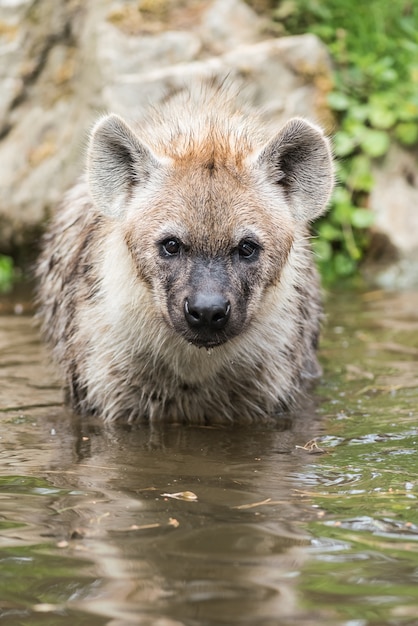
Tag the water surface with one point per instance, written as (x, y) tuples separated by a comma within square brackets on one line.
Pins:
[(314, 522)]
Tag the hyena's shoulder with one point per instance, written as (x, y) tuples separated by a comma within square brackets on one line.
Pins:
[(68, 267)]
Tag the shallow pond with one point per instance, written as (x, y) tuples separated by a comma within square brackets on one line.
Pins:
[(313, 523)]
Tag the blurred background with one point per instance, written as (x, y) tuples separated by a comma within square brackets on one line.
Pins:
[(348, 65)]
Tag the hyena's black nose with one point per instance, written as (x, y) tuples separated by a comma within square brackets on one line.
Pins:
[(207, 311)]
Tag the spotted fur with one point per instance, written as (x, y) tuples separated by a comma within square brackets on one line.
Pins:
[(112, 302)]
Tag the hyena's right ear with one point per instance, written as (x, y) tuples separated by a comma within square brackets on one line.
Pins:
[(116, 162), (298, 160)]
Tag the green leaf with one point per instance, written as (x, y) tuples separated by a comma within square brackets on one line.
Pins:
[(359, 112), (354, 127), (6, 273), (343, 144), (341, 214), (375, 142), (322, 249), (340, 196), (344, 265), (338, 101), (382, 118), (408, 111), (407, 133), (360, 177), (362, 218), (389, 76), (329, 232)]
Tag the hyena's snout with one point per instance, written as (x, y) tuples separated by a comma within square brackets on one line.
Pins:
[(208, 312), (208, 318), (209, 307)]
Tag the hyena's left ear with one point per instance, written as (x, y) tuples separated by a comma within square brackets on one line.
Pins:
[(116, 162), (299, 160)]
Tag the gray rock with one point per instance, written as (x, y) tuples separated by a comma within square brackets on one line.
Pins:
[(38, 60), (394, 200), (119, 54), (229, 23)]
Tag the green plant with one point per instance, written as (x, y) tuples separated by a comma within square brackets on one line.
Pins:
[(375, 100), (6, 273)]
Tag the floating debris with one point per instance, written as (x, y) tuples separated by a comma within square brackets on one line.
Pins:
[(254, 504), (171, 522), (181, 495), (312, 447)]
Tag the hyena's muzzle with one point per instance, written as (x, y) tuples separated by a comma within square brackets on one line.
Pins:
[(208, 311)]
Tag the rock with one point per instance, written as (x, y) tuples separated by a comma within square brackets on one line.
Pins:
[(394, 200), (227, 24), (40, 113), (280, 77), (64, 62), (120, 54)]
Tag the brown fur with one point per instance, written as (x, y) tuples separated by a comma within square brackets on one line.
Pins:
[(116, 304)]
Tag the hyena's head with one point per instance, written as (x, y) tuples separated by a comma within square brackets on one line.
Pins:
[(209, 215)]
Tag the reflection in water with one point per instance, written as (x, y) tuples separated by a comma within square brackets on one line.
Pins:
[(90, 535), (217, 558)]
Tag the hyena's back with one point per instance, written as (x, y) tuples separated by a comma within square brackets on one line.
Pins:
[(177, 281)]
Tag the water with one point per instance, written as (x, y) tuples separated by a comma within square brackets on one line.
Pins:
[(209, 526)]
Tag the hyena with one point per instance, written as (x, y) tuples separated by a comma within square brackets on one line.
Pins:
[(177, 282)]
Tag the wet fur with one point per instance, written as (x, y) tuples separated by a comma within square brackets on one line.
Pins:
[(111, 306)]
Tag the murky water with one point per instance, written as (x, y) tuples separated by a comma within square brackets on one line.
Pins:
[(201, 527)]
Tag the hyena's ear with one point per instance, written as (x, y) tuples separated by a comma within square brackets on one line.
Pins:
[(116, 162), (299, 160)]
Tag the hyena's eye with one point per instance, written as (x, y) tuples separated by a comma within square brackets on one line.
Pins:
[(170, 246), (248, 249)]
